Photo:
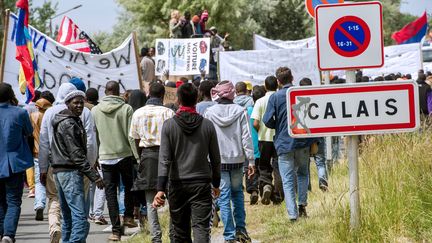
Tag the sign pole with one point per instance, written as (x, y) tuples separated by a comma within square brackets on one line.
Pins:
[(352, 150), (5, 38), (328, 140)]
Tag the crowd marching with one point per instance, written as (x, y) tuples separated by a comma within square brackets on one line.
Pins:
[(137, 153)]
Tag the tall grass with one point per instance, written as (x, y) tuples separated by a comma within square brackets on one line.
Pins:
[(395, 191)]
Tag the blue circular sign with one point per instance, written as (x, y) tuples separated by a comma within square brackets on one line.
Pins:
[(349, 36)]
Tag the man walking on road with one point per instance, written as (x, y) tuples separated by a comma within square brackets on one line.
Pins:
[(267, 150), (146, 129), (45, 142), (15, 158), (235, 143), (117, 154), (293, 153), (188, 141), (70, 163)]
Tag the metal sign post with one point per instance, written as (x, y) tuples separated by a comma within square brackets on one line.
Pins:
[(352, 152)]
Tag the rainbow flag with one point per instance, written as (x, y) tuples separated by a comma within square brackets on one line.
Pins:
[(28, 79), (412, 32)]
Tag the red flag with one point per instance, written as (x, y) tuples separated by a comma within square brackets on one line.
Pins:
[(412, 32)]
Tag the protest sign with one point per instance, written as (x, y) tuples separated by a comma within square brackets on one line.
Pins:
[(262, 43), (57, 63), (255, 66), (170, 95), (182, 56)]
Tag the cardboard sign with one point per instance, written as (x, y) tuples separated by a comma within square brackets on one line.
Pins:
[(170, 95)]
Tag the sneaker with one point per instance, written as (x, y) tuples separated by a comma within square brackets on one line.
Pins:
[(243, 237), (230, 241), (302, 211), (267, 191), (100, 221), (55, 237), (39, 214), (254, 198), (323, 185), (114, 237), (31, 193), (7, 239), (129, 222)]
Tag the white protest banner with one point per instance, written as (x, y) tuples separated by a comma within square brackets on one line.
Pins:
[(255, 66), (182, 56), (398, 59), (57, 64), (262, 43)]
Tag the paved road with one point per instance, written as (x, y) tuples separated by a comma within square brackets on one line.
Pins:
[(32, 231)]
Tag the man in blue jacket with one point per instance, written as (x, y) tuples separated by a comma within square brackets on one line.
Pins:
[(15, 158), (293, 153)]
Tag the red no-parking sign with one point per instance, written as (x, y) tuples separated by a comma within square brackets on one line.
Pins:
[(312, 4), (349, 36)]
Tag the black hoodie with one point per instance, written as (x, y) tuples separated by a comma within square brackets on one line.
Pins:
[(69, 145), (188, 141)]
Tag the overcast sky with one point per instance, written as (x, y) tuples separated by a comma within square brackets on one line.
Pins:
[(416, 7), (93, 16)]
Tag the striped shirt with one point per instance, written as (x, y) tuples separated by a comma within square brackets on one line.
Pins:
[(147, 124)]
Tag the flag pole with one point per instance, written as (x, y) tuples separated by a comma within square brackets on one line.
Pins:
[(5, 38), (135, 42)]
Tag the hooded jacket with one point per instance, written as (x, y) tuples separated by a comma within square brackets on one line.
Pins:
[(233, 131), (188, 141), (69, 146), (113, 119), (47, 132), (244, 101)]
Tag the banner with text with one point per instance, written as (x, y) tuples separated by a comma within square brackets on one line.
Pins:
[(182, 56), (262, 43), (57, 63), (255, 66)]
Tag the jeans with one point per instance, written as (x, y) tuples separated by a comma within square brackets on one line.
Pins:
[(320, 160), (191, 208), (40, 191), (146, 198), (99, 200), (121, 197), (70, 188), (234, 219), (111, 177), (11, 190), (294, 164)]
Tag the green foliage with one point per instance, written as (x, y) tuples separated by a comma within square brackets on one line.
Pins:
[(40, 16)]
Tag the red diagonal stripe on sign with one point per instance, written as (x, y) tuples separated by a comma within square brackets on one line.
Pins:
[(350, 37)]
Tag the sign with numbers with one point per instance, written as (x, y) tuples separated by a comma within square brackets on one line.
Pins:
[(349, 36), (312, 4)]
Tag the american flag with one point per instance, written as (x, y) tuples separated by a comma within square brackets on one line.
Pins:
[(71, 36)]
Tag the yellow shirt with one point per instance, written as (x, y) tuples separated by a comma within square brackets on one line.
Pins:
[(264, 134)]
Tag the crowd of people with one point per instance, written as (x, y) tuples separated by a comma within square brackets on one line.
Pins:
[(136, 153)]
